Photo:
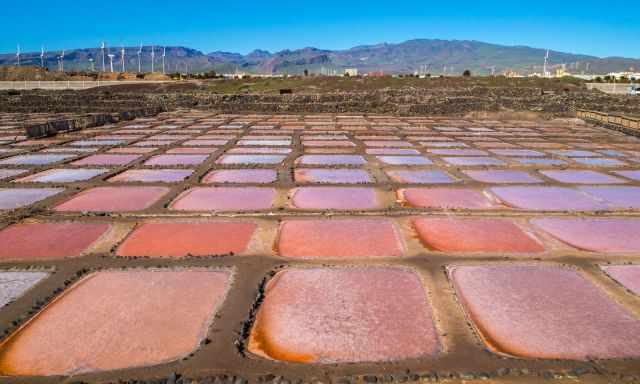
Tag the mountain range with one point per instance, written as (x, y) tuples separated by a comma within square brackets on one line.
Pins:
[(420, 55)]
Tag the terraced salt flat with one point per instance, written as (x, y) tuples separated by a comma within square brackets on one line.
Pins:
[(318, 248)]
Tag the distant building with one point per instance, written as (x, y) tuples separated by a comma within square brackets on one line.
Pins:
[(376, 74), (561, 72), (351, 72), (627, 75)]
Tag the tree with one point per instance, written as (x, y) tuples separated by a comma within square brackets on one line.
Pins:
[(466, 73), (306, 72)]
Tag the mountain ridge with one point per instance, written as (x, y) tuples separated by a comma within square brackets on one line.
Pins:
[(436, 56)]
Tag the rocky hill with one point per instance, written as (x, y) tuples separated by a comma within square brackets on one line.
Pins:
[(433, 56)]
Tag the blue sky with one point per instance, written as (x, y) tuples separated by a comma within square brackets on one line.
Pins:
[(609, 28)]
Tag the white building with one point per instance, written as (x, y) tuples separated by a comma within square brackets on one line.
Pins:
[(351, 72)]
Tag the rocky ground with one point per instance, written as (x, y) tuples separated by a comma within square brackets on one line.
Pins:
[(451, 97)]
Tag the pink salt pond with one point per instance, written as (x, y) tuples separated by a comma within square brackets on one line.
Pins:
[(474, 161), (331, 160), (359, 315), (107, 159), (241, 176), (475, 236), (113, 199), (173, 160), (151, 176), (333, 176), (250, 159), (545, 312), (445, 198), (342, 198), (421, 177), (404, 160), (618, 197), (62, 176), (582, 177), (627, 275), (608, 235), (548, 199), (343, 238), (502, 176), (117, 319), (224, 199)]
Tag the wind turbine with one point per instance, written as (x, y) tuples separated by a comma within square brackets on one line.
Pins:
[(102, 48), (42, 57), (153, 57), (62, 61), (111, 56), (140, 59), (18, 54), (544, 70), (164, 53), (122, 52)]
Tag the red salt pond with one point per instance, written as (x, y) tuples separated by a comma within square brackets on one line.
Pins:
[(445, 198), (152, 176), (548, 199), (344, 315), (342, 238), (224, 199), (241, 176), (545, 312), (346, 198), (118, 319), (608, 235), (180, 239), (333, 176), (113, 159), (113, 199), (46, 241), (627, 275), (475, 235)]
